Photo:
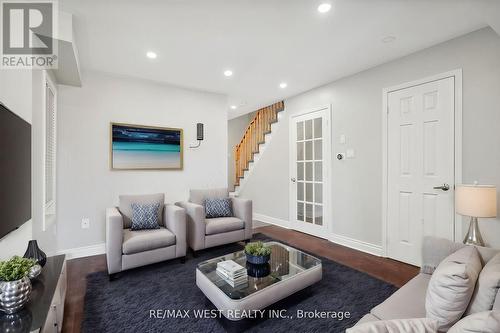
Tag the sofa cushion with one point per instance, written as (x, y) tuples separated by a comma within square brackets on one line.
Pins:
[(484, 322), (434, 250), (146, 240), (487, 253), (451, 286), (218, 207), (496, 305), (223, 224), (199, 196), (397, 305), (487, 287), (145, 216), (125, 206), (411, 325)]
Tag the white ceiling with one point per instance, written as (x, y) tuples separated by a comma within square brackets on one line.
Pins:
[(264, 42)]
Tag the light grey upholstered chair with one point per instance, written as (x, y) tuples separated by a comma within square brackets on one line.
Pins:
[(126, 249), (208, 232)]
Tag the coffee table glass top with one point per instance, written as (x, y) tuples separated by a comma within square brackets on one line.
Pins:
[(285, 263)]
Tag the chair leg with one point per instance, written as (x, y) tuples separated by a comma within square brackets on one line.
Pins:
[(195, 255), (183, 260)]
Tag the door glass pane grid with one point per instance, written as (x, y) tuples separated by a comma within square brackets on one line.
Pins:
[(310, 172), (300, 130), (309, 212)]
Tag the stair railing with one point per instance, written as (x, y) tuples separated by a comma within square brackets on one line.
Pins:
[(254, 135)]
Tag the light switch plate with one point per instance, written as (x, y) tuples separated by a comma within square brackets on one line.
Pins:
[(85, 223), (350, 153), (342, 139)]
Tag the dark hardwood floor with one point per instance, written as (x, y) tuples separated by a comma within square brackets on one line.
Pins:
[(388, 270), (391, 271)]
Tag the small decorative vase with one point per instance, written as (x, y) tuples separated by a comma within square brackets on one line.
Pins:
[(14, 295), (258, 271), (257, 260), (34, 252), (17, 322)]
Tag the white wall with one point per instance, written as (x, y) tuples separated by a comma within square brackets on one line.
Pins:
[(15, 93), (86, 185), (357, 105)]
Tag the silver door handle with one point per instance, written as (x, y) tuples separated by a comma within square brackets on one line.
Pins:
[(293, 180), (444, 187)]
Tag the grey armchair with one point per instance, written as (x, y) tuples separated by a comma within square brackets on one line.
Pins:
[(203, 233), (126, 249)]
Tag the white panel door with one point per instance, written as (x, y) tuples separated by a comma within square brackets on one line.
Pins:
[(310, 156), (420, 167)]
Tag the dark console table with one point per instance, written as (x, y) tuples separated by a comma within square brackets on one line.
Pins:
[(44, 312)]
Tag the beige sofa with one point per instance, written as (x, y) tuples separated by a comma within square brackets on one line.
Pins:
[(204, 233), (127, 249), (409, 300)]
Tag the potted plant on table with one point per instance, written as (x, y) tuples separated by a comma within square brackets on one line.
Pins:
[(15, 285), (257, 253)]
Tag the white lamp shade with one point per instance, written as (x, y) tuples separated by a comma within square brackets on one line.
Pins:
[(476, 200)]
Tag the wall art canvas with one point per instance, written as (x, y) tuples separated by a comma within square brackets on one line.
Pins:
[(136, 147)]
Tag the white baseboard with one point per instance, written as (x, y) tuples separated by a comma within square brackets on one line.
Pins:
[(338, 239), (271, 220), (85, 251), (92, 250), (357, 244)]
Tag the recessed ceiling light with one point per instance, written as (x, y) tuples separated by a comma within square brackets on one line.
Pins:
[(151, 55), (283, 85), (228, 73), (388, 39), (324, 7), (233, 107)]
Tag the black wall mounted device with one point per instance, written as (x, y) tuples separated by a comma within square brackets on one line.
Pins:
[(199, 135)]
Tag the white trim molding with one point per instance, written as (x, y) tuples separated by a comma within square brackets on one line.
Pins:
[(271, 220), (49, 208), (457, 75), (84, 251), (352, 243)]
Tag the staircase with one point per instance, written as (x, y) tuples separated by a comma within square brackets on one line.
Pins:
[(253, 142)]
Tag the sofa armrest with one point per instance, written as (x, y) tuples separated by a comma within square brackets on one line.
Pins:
[(242, 209), (195, 217), (434, 250), (114, 240), (174, 218)]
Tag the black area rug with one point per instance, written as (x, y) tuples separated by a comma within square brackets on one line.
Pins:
[(124, 305)]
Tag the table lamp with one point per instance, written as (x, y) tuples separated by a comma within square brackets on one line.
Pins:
[(475, 201)]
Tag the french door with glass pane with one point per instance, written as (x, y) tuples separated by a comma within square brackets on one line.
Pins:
[(310, 165)]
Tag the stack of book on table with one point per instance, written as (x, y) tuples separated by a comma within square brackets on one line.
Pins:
[(231, 272)]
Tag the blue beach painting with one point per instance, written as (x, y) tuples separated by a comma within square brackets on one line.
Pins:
[(142, 147)]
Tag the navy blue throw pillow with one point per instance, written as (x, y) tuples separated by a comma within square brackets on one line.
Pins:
[(145, 216), (218, 208)]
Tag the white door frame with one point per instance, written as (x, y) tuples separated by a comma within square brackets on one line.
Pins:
[(327, 141), (457, 75)]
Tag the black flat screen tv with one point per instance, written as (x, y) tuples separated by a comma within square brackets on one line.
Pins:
[(15, 171)]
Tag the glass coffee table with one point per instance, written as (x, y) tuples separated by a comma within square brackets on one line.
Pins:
[(289, 271)]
